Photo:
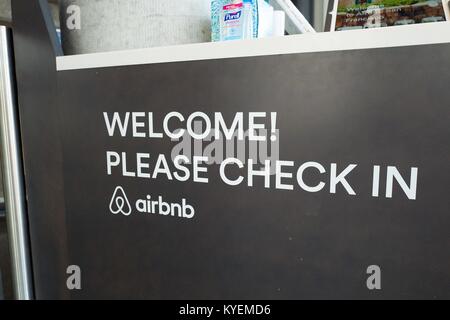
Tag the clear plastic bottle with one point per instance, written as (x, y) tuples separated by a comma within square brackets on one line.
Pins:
[(248, 23)]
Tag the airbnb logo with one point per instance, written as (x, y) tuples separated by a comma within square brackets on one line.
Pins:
[(156, 206), (119, 202)]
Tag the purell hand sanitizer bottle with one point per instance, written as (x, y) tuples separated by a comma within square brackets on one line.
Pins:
[(241, 19), (234, 19), (231, 21)]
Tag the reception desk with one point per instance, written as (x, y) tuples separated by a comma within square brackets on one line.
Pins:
[(344, 169)]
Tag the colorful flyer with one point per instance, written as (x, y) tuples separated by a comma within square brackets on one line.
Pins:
[(365, 14)]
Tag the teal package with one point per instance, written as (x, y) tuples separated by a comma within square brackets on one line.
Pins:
[(234, 19)]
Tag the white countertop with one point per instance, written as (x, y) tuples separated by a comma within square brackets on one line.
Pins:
[(399, 36)]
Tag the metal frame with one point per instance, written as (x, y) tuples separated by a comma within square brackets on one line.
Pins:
[(13, 174)]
